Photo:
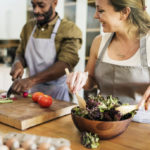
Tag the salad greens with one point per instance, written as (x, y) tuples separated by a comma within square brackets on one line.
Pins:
[(90, 140), (102, 109)]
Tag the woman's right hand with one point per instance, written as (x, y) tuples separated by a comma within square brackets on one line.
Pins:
[(76, 81)]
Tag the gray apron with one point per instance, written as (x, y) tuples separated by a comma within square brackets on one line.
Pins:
[(125, 82), (41, 54)]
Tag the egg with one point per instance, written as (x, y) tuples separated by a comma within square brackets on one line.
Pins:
[(9, 142), (12, 143), (3, 147), (44, 146), (64, 148), (20, 149), (26, 144)]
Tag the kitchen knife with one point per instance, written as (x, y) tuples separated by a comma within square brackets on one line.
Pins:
[(9, 92)]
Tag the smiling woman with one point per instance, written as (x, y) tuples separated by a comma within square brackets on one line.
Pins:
[(119, 60)]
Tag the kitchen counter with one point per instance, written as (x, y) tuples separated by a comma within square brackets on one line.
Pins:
[(136, 137)]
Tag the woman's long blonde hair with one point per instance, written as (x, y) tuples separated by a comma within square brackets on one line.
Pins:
[(138, 16)]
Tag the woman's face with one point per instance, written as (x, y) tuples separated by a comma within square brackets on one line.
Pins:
[(109, 18)]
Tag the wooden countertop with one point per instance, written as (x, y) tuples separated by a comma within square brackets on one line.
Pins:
[(136, 137)]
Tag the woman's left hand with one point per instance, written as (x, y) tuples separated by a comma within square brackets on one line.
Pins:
[(146, 98)]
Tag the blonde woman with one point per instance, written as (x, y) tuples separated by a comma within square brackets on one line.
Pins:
[(119, 60)]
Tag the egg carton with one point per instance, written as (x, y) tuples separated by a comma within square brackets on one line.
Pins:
[(23, 141)]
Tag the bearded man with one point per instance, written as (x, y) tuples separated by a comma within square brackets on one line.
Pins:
[(48, 45)]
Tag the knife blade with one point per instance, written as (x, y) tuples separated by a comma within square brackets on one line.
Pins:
[(9, 92)]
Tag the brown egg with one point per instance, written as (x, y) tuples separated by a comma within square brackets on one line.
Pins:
[(26, 144), (9, 142), (20, 149), (44, 146), (64, 148), (3, 147)]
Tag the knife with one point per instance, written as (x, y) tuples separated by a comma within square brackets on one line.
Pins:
[(9, 92)]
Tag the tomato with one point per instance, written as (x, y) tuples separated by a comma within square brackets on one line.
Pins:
[(36, 96), (45, 101)]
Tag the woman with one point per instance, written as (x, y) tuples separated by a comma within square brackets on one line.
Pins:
[(119, 60)]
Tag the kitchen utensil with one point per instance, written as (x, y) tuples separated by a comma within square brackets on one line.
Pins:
[(105, 129), (81, 101), (124, 109), (9, 92)]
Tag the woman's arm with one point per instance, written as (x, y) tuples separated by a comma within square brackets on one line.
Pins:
[(76, 80)]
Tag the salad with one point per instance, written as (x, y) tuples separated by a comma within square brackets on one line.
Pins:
[(102, 108)]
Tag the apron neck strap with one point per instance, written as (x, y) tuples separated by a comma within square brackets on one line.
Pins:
[(143, 55), (105, 46), (33, 30), (55, 28)]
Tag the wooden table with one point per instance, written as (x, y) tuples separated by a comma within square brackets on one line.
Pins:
[(136, 137)]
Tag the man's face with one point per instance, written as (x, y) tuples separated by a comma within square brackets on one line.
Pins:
[(42, 10)]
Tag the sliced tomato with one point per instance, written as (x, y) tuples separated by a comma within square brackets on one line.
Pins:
[(45, 101), (36, 95)]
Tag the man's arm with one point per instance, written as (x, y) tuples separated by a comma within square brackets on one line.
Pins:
[(52, 73)]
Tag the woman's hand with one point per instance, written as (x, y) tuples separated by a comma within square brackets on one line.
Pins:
[(146, 98), (76, 81)]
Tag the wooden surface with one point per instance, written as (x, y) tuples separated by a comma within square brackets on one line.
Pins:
[(24, 113), (136, 137)]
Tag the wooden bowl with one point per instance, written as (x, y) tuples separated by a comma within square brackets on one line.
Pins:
[(105, 129)]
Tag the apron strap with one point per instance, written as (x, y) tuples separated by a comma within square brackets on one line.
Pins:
[(33, 30), (143, 53), (105, 47), (55, 28)]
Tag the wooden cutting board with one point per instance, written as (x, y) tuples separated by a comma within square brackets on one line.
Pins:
[(23, 113)]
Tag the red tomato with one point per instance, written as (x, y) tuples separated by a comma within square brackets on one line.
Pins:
[(36, 96), (45, 101)]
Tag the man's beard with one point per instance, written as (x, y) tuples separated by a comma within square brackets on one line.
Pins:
[(47, 15)]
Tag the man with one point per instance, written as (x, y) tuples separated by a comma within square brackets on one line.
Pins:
[(48, 46)]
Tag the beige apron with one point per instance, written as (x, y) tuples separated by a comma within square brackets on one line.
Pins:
[(41, 54), (124, 82)]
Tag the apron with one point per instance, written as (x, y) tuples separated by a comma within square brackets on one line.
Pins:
[(128, 83), (41, 54)]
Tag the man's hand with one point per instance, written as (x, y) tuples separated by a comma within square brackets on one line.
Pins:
[(21, 85), (17, 70)]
